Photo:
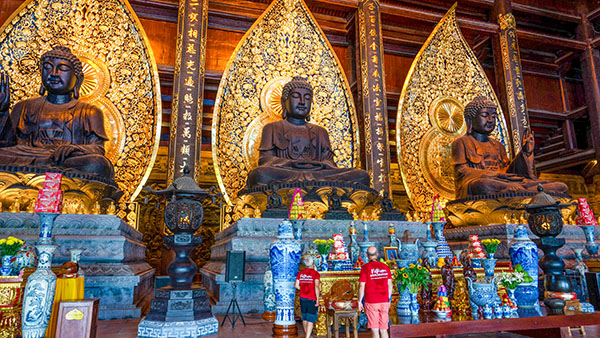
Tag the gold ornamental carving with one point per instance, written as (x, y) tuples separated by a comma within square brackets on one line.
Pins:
[(443, 78), (507, 21), (284, 42), (120, 74)]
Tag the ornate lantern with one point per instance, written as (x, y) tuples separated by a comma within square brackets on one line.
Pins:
[(182, 303), (545, 221)]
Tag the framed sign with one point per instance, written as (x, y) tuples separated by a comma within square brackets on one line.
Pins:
[(77, 319), (390, 253)]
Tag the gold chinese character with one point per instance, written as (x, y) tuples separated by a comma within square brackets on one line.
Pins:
[(182, 166), (375, 59), (188, 98), (185, 149), (376, 87), (189, 82), (190, 49), (378, 131), (372, 18), (186, 132), (193, 33), (371, 7), (375, 73), (187, 115), (379, 146), (377, 101), (380, 161), (372, 32), (373, 46), (378, 117), (381, 178), (190, 65), (193, 17)]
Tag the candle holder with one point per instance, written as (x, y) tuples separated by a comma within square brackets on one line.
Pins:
[(545, 221)]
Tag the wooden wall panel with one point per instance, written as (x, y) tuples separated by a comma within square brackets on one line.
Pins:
[(396, 69), (220, 45), (575, 96), (342, 55), (543, 93), (7, 7), (163, 40)]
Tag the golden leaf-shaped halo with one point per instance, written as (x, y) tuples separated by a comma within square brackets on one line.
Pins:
[(120, 74), (444, 77), (284, 42)]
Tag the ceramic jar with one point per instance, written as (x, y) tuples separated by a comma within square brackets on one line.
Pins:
[(39, 294), (523, 251), (482, 294), (408, 251), (26, 257), (526, 295), (7, 265), (285, 255)]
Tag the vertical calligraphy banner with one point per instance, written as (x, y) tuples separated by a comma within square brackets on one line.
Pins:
[(188, 87), (513, 78), (372, 92)]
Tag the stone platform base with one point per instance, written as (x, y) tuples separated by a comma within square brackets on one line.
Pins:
[(113, 262), (459, 238), (255, 235), (183, 329)]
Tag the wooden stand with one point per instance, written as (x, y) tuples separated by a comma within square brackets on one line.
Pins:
[(285, 331), (77, 319), (269, 316)]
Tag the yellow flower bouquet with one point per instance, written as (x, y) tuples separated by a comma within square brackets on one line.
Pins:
[(323, 245), (490, 246), (10, 246), (414, 277)]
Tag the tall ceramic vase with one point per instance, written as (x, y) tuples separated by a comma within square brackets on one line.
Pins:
[(285, 260), (76, 257), (46, 225), (523, 251), (590, 244), (39, 294)]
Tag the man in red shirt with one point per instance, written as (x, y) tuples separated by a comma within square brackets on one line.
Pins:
[(308, 283), (376, 278)]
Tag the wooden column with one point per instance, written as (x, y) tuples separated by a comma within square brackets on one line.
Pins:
[(510, 76), (188, 86), (371, 91), (590, 63)]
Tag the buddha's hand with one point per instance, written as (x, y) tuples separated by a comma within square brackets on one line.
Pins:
[(528, 142), (4, 92), (65, 151)]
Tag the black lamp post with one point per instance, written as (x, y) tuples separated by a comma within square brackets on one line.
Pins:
[(546, 222)]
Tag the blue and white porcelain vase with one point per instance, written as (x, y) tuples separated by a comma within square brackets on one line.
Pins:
[(39, 294), (46, 225), (527, 295), (523, 251), (403, 306), (285, 255), (590, 244), (442, 249), (269, 294), (7, 265), (489, 265), (414, 304)]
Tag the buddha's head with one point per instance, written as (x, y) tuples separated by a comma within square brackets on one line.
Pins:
[(296, 99), (480, 115), (62, 72)]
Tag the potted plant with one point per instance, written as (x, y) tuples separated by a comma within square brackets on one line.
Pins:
[(489, 263), (518, 287), (323, 247), (490, 245), (413, 278), (8, 249)]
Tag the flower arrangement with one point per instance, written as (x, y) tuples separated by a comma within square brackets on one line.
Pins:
[(323, 245), (10, 246), (510, 280), (414, 277), (490, 245)]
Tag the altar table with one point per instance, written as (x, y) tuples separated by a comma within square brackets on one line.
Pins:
[(543, 326)]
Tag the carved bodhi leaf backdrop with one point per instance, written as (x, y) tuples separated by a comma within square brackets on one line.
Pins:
[(443, 78), (120, 75), (284, 42)]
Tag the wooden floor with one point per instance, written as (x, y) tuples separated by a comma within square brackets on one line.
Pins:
[(256, 327)]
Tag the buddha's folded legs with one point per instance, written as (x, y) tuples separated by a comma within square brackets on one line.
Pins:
[(268, 175), (491, 186)]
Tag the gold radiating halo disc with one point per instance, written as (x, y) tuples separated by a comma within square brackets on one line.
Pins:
[(446, 115)]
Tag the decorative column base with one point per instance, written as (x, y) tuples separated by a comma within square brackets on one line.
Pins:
[(180, 313), (269, 316), (285, 331)]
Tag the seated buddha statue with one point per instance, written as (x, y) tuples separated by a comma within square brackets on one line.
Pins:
[(481, 166), (55, 130), (294, 150)]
